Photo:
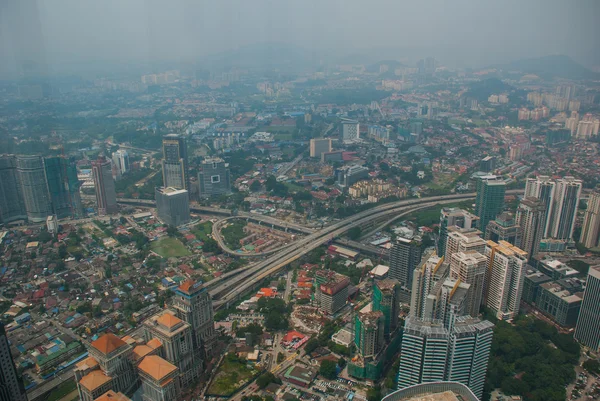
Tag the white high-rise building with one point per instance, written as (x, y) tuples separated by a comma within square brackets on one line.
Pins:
[(505, 278), (120, 159), (470, 268), (531, 218), (542, 187), (564, 208), (590, 231), (587, 330), (350, 131), (463, 240)]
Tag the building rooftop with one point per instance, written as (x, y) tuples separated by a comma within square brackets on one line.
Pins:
[(156, 367), (108, 343), (87, 363), (170, 191), (94, 379), (189, 286), (112, 396), (169, 320), (387, 285), (154, 343), (141, 351)]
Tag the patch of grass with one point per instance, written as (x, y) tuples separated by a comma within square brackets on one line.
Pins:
[(201, 231), (233, 233), (62, 390), (231, 375), (169, 247)]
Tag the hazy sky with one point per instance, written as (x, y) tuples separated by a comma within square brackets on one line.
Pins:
[(476, 32)]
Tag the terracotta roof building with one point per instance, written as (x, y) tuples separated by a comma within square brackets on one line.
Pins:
[(112, 396), (159, 379)]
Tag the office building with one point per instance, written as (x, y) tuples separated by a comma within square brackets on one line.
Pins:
[(405, 256), (559, 303), (11, 385), (531, 284), (350, 131), (504, 228), (470, 268), (213, 177), (587, 331), (74, 190), (32, 180), (159, 379), (331, 291), (433, 391), (453, 217), (505, 277), (193, 304), (12, 206), (531, 218), (120, 160), (318, 146), (349, 175), (463, 240), (52, 224), (175, 336), (57, 176), (106, 197), (564, 208), (386, 298), (172, 206), (489, 201), (369, 332), (487, 164), (434, 353), (590, 231), (542, 187), (175, 162)]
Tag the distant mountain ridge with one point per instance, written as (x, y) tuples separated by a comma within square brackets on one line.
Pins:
[(559, 66)]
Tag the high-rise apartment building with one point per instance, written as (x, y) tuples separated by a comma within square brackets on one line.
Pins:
[(331, 291), (193, 305), (59, 186), (405, 256), (11, 385), (175, 162), (590, 231), (213, 177), (106, 197), (318, 146), (12, 207), (431, 270), (470, 268), (542, 187), (564, 208), (504, 228), (369, 332), (350, 131), (172, 206), (432, 352), (531, 218), (120, 160), (386, 298), (463, 240), (453, 217), (587, 331), (489, 201), (505, 278), (34, 187)]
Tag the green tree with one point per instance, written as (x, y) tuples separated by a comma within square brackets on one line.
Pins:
[(311, 345), (255, 186), (328, 369), (354, 233)]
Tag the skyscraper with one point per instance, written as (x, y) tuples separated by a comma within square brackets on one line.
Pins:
[(431, 270), (432, 352), (587, 330), (386, 298), (350, 130), (319, 146), (369, 332), (542, 187), (463, 240), (564, 208), (490, 199), (11, 385), (470, 268), (175, 162), (505, 277), (172, 206), (531, 218), (120, 159), (12, 207), (58, 186), (213, 177), (504, 228), (590, 231), (106, 197), (405, 255), (453, 217), (32, 179)]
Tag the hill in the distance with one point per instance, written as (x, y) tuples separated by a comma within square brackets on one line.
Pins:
[(559, 66)]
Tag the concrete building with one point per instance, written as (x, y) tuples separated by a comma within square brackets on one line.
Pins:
[(463, 240), (159, 379), (11, 385), (490, 199), (386, 298), (505, 276), (349, 175), (453, 217), (172, 206), (193, 304), (531, 284), (559, 304), (175, 162), (431, 270), (12, 206), (176, 338), (531, 218), (34, 187), (106, 197), (331, 291), (318, 146), (587, 331), (543, 188), (112, 396), (504, 228), (213, 177), (405, 255), (52, 224), (350, 131), (369, 332), (120, 160), (564, 209), (590, 231), (487, 164), (61, 186), (470, 268)]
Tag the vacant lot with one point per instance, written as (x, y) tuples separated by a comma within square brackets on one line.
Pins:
[(169, 248), (232, 375), (201, 231)]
